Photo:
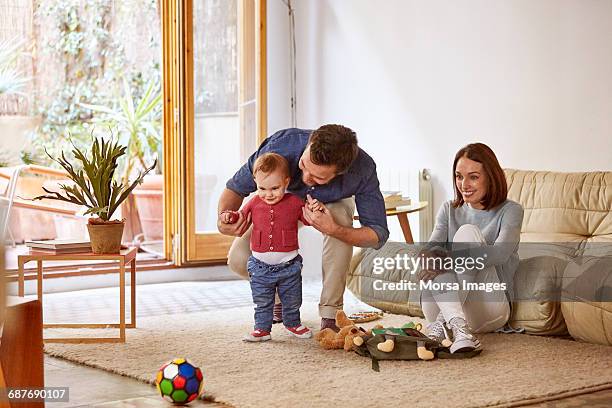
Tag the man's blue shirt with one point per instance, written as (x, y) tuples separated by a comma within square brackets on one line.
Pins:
[(360, 180)]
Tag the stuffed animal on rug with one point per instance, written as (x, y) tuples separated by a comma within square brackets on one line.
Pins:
[(411, 330), (405, 343), (344, 339)]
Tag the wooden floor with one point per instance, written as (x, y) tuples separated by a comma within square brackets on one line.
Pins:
[(90, 387)]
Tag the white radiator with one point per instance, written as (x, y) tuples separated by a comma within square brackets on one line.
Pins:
[(426, 216), (415, 184)]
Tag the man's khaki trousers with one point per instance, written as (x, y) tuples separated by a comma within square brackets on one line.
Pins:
[(335, 262)]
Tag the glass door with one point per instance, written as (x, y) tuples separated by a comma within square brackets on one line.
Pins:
[(220, 111)]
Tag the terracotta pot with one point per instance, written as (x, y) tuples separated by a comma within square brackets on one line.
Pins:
[(105, 238), (149, 199)]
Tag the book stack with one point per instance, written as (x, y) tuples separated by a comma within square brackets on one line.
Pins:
[(60, 246), (394, 199)]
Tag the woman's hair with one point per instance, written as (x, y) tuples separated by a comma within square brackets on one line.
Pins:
[(497, 187), (269, 162)]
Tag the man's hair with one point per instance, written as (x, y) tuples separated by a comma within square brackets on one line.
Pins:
[(269, 162), (333, 145), (497, 187)]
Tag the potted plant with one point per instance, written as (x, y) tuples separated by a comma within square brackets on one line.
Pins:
[(96, 188), (136, 115)]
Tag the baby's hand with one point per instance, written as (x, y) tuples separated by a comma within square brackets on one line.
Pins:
[(229, 217), (314, 205)]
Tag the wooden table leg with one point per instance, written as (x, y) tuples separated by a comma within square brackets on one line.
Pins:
[(133, 282), (122, 301), (21, 279), (39, 280), (403, 220)]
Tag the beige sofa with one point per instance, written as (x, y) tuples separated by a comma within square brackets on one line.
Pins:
[(567, 214)]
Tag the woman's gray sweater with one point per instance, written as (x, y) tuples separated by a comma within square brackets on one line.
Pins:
[(500, 226)]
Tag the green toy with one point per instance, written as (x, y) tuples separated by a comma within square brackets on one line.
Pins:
[(391, 343), (407, 330)]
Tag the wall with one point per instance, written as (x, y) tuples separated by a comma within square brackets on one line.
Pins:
[(279, 79), (419, 79)]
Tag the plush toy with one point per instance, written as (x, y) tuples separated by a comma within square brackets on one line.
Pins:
[(409, 329), (345, 338)]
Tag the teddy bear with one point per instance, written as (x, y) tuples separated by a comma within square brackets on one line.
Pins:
[(344, 339)]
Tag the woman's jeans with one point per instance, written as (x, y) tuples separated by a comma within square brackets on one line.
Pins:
[(266, 280), (484, 312)]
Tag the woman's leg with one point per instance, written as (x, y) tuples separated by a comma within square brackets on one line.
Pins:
[(484, 311), (487, 312), (435, 319), (429, 306), (448, 302), (478, 310)]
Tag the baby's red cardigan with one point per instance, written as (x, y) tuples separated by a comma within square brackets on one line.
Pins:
[(275, 226)]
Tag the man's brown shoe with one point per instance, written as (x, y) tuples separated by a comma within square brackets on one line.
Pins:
[(329, 324)]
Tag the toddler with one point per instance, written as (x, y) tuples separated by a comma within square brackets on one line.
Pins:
[(275, 264)]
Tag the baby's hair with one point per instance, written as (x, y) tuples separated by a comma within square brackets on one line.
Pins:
[(269, 162)]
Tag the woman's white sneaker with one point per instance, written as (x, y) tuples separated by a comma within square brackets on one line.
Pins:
[(463, 339), (436, 330)]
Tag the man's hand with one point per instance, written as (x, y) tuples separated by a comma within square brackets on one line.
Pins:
[(238, 228), (319, 216)]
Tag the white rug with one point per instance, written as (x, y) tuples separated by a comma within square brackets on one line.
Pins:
[(298, 373)]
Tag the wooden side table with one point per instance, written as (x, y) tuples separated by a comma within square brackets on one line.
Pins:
[(21, 350), (402, 216), (124, 257)]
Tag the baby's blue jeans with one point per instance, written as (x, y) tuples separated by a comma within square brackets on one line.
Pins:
[(265, 280)]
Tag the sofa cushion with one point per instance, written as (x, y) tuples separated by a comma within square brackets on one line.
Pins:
[(361, 278), (589, 321), (587, 297), (572, 211), (537, 287), (562, 206)]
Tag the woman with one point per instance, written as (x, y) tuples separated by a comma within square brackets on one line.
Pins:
[(482, 215)]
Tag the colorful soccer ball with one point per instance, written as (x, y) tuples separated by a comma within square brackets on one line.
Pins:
[(179, 382)]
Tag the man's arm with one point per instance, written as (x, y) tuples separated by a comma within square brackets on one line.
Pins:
[(323, 221), (230, 200), (371, 208)]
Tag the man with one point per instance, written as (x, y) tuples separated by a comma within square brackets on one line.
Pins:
[(325, 165)]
